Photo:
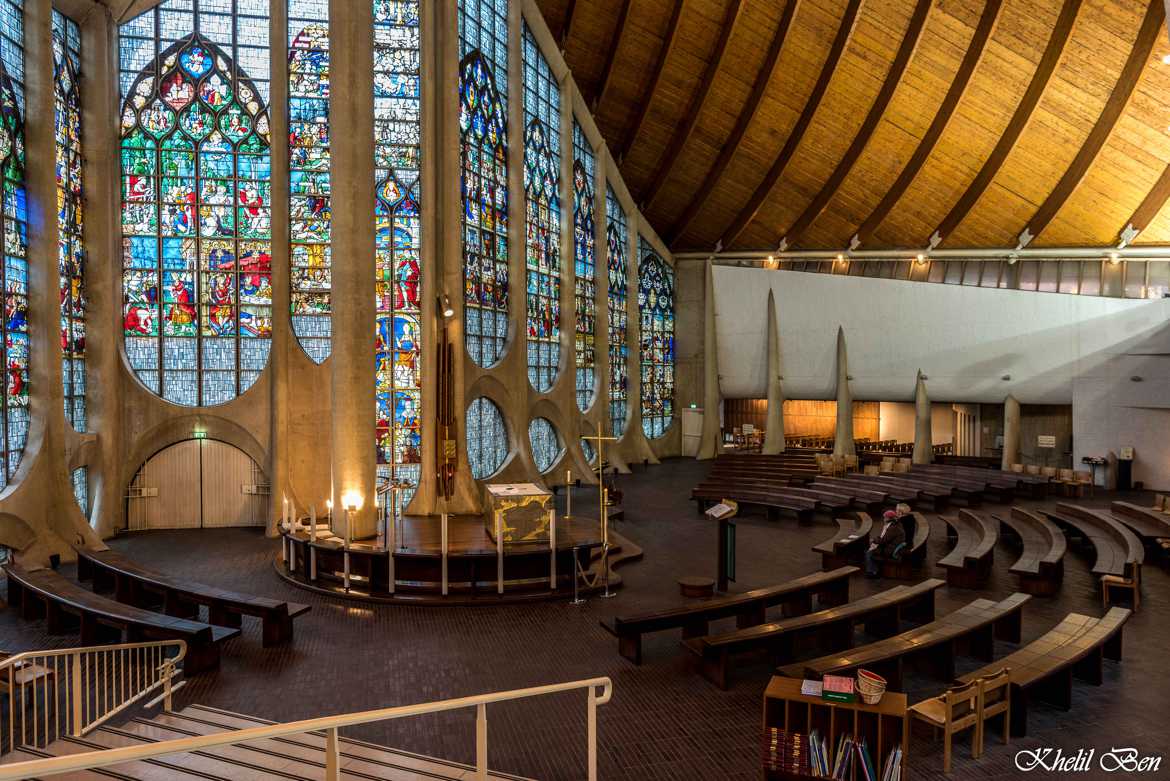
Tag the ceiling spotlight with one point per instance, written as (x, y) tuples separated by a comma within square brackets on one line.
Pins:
[(1166, 59), (921, 259), (1114, 258), (445, 306)]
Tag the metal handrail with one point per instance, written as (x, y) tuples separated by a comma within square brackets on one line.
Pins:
[(74, 690), (330, 724)]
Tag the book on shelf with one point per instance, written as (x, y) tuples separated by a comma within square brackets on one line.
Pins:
[(810, 688), (838, 688)]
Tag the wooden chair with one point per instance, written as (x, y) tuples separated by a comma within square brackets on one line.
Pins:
[(1160, 502), (995, 699), (1068, 482), (953, 711), (1084, 479), (872, 469), (1048, 471), (1031, 469), (1132, 583), (1017, 468), (850, 463)]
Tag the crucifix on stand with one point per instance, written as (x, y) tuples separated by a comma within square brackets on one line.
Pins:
[(603, 515)]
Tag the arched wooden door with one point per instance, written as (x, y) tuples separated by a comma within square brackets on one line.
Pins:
[(198, 483)]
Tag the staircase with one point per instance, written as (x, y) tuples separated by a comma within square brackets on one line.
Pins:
[(298, 757)]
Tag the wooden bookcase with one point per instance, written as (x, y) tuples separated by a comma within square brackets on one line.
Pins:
[(885, 726)]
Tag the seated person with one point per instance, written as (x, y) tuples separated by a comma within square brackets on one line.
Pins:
[(882, 549), (906, 517)]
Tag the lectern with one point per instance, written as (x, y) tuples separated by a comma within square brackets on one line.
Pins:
[(723, 513)]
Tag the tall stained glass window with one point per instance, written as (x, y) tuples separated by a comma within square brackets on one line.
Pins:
[(656, 319), (308, 164), (617, 240), (487, 438), (483, 128), (542, 243), (545, 443), (14, 227), (70, 250), (585, 266), (397, 149), (196, 198)]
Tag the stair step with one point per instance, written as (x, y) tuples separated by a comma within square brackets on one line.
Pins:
[(32, 754), (143, 770), (195, 764), (358, 749), (308, 757)]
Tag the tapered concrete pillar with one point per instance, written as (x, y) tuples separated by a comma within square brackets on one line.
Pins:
[(923, 435), (1011, 432), (351, 121), (774, 422), (843, 443), (710, 442)]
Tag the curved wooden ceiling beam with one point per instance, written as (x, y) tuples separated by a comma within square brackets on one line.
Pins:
[(1061, 32), (1127, 82), (942, 118), (682, 134), (1147, 210), (655, 80), (749, 212), (567, 27), (860, 139), (751, 107), (607, 71)]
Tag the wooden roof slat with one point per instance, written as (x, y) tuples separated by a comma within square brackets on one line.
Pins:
[(567, 28), (942, 117), (1053, 52), (611, 58), (652, 88), (749, 212), (746, 115), (1147, 210), (1114, 107), (691, 117), (893, 78)]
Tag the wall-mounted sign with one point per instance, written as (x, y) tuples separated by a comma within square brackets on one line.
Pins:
[(1046, 440), (1126, 454)]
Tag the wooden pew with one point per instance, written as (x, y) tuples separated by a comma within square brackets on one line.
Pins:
[(968, 564), (1040, 567), (774, 501), (135, 584), (969, 491), (44, 592), (1119, 551), (989, 482), (914, 555), (881, 613), (979, 622), (749, 609), (892, 492), (1044, 668), (848, 545), (825, 501), (1144, 521)]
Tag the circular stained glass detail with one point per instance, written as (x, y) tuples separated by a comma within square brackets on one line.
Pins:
[(546, 445), (487, 438)]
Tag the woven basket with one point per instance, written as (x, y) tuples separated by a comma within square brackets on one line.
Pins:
[(870, 687)]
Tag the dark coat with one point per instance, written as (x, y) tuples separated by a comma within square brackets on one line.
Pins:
[(887, 543)]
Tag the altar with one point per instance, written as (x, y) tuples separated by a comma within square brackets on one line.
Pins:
[(523, 512)]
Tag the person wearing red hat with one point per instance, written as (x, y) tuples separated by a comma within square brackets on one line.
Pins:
[(891, 536)]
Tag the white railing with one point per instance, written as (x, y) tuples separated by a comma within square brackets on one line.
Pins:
[(330, 725), (72, 691)]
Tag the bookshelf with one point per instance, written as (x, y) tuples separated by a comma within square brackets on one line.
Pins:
[(885, 726)]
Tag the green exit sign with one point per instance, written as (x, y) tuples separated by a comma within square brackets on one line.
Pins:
[(200, 435)]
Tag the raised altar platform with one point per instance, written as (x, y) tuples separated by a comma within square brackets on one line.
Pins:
[(476, 572)]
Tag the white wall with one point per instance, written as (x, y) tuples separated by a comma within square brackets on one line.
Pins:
[(896, 421), (965, 339)]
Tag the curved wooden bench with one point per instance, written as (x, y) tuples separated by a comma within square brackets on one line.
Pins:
[(773, 501), (986, 480), (1144, 521), (1040, 567), (979, 622), (1044, 668), (942, 485), (892, 492), (969, 562), (914, 555), (134, 584), (848, 545), (1119, 551), (749, 609), (882, 614), (44, 592), (922, 491)]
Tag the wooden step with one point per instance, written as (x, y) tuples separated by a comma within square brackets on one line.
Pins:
[(143, 770), (350, 747), (33, 754), (193, 764)]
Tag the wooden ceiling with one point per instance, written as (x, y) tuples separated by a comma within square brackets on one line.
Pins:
[(817, 124)]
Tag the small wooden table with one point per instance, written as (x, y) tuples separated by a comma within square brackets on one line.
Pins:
[(885, 725)]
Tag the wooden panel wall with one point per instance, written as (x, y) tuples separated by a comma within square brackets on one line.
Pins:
[(803, 418)]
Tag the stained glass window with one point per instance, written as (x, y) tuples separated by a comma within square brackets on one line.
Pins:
[(656, 319), (308, 171), (542, 243), (483, 127), (196, 196), (14, 226), (617, 239), (397, 149), (70, 251), (585, 262), (81, 489), (487, 438), (546, 445), (587, 449)]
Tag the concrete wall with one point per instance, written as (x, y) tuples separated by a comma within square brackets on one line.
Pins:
[(896, 421)]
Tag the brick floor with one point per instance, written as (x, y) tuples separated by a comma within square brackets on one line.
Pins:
[(665, 721)]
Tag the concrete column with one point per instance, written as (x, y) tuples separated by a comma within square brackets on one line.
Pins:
[(1011, 432), (351, 128), (923, 437), (283, 340), (843, 442), (710, 441), (774, 423)]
